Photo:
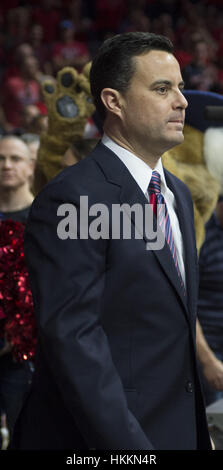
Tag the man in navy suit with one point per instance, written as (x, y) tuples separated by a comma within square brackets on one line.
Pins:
[(116, 362)]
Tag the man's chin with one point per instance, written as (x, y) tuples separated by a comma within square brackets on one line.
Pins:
[(172, 143), (178, 138), (8, 185)]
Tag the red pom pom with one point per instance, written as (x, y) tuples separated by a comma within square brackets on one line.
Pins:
[(16, 303)]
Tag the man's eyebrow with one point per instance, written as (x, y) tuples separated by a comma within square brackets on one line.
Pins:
[(167, 82)]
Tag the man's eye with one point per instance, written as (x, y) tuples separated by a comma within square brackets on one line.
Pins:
[(16, 159), (162, 90)]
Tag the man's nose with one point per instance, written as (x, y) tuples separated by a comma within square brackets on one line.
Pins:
[(180, 101), (7, 163)]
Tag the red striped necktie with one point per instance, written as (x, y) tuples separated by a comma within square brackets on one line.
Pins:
[(159, 206)]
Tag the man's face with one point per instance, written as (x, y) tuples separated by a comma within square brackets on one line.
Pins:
[(15, 164), (153, 107)]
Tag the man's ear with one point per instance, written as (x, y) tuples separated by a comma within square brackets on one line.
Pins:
[(112, 100)]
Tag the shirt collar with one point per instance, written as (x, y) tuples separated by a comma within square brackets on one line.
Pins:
[(140, 170)]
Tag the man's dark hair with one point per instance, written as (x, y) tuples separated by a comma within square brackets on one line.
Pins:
[(113, 66)]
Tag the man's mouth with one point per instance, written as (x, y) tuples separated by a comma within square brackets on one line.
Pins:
[(7, 175), (179, 121)]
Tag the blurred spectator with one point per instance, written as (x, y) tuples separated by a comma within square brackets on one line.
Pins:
[(136, 20), (38, 23), (68, 51), (81, 23), (16, 169), (20, 91), (191, 27), (39, 124), (210, 308), (28, 115), (15, 58), (49, 17), (41, 50), (18, 20), (183, 50), (161, 23), (108, 16), (201, 73)]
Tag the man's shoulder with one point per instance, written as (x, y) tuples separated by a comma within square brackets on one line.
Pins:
[(81, 178), (77, 172)]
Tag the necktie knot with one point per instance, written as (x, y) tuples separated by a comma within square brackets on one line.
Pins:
[(155, 183)]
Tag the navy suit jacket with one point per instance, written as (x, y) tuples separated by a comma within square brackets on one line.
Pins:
[(116, 361)]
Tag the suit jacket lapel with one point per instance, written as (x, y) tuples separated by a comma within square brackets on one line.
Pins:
[(116, 172), (132, 194), (186, 226)]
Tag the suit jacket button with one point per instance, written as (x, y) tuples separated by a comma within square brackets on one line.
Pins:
[(189, 387)]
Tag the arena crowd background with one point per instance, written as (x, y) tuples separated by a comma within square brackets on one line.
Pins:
[(39, 37)]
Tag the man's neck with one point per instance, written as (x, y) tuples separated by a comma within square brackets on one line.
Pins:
[(148, 158), (12, 200)]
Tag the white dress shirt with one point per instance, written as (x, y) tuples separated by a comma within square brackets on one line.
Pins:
[(142, 174)]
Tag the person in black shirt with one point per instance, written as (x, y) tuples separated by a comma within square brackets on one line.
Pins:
[(16, 169), (210, 308)]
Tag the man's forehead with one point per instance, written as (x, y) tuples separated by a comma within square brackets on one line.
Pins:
[(155, 61), (156, 55), (14, 146)]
